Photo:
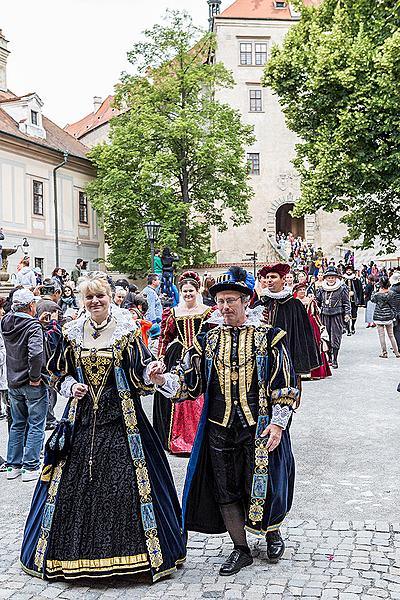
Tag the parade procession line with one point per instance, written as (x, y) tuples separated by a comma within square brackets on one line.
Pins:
[(342, 535)]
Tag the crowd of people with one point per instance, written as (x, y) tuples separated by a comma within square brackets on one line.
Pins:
[(226, 359)]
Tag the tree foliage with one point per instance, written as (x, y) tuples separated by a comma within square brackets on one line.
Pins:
[(176, 155), (338, 79)]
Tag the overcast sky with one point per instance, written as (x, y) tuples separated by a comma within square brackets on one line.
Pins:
[(70, 51)]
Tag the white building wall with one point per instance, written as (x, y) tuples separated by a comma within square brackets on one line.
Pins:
[(17, 173), (278, 183)]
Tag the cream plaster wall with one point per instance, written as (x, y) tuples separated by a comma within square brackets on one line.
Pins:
[(278, 183), (17, 173)]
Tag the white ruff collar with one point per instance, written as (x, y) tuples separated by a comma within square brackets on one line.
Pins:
[(285, 293), (254, 317), (124, 325), (352, 276), (331, 288)]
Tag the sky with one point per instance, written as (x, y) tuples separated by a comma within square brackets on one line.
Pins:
[(70, 51)]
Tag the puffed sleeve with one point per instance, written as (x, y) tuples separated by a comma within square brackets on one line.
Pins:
[(61, 371), (282, 384), (137, 359), (168, 331)]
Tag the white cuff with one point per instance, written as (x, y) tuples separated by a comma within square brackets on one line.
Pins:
[(171, 386), (281, 415), (146, 378), (65, 388)]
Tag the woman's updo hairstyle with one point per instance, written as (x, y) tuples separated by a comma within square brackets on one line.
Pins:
[(190, 277), (95, 284)]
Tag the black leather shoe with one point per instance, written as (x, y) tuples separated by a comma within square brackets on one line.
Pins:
[(275, 545), (236, 561)]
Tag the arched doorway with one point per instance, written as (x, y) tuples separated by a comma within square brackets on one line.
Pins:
[(285, 222)]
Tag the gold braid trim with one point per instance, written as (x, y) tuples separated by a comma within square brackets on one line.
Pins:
[(245, 349)]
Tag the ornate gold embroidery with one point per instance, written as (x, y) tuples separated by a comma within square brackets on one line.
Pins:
[(97, 367), (142, 479)]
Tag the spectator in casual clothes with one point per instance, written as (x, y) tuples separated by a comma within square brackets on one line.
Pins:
[(154, 311), (77, 271), (26, 275), (68, 299), (119, 296), (57, 277), (168, 260), (384, 316), (24, 342), (395, 288), (49, 303), (158, 266)]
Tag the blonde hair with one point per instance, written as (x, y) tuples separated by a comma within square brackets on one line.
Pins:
[(94, 284)]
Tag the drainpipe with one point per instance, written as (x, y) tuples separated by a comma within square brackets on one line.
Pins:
[(56, 207)]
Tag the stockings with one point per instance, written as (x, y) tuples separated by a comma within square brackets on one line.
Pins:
[(234, 519)]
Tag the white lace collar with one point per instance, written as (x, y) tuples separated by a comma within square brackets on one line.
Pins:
[(285, 293), (254, 317), (351, 276), (331, 288), (122, 317)]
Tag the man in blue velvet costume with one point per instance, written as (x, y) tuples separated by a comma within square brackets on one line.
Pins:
[(241, 472)]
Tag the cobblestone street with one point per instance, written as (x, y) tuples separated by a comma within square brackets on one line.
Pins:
[(343, 534)]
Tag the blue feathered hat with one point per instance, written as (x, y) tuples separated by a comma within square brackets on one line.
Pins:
[(236, 279)]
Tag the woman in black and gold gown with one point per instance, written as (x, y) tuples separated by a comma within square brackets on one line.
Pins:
[(106, 502)]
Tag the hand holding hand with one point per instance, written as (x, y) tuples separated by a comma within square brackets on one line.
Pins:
[(275, 434), (155, 372), (79, 390)]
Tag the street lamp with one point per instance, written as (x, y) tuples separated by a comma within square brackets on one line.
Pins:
[(24, 246), (152, 230)]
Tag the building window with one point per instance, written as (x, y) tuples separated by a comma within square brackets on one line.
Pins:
[(253, 159), (37, 198), (261, 54), (246, 54), (83, 208), (255, 101), (34, 117), (39, 264)]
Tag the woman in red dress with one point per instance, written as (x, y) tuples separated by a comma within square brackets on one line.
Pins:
[(176, 424), (320, 333)]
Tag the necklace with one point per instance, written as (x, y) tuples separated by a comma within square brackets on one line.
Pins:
[(97, 330)]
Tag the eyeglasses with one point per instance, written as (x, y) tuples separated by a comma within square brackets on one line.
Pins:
[(228, 301)]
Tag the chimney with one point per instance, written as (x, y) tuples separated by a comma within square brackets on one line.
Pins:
[(214, 8), (97, 102), (3, 62)]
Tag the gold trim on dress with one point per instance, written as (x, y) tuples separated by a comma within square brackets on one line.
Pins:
[(96, 564)]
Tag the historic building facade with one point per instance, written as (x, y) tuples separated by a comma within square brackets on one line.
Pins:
[(34, 151), (246, 31)]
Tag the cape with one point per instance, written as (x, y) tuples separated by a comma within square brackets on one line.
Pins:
[(290, 315)]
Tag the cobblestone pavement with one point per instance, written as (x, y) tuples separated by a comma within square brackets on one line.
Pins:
[(343, 535)]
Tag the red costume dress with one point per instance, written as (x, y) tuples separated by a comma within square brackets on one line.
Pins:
[(176, 424), (317, 326)]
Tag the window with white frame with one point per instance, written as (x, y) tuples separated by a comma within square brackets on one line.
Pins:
[(255, 100), (39, 263), (83, 209), (260, 53), (246, 53), (37, 189), (253, 158), (34, 117)]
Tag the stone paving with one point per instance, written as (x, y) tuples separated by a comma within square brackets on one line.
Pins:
[(342, 537)]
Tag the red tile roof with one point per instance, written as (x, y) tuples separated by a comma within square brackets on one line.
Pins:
[(103, 115), (56, 138), (260, 9)]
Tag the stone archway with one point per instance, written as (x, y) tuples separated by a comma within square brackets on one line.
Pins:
[(285, 223)]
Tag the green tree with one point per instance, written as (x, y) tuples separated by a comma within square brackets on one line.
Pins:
[(338, 79), (176, 154)]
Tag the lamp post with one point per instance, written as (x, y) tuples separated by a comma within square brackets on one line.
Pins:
[(25, 246), (152, 230), (253, 257)]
